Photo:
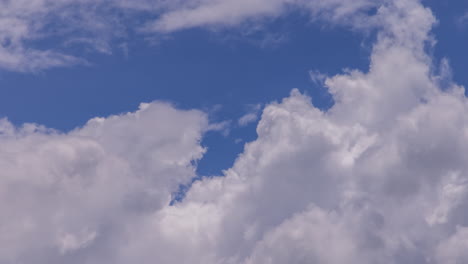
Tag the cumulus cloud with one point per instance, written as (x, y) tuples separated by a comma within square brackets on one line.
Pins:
[(378, 178), (71, 198), (381, 177)]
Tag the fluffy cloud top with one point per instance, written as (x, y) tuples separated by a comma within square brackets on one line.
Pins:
[(67, 197), (381, 177)]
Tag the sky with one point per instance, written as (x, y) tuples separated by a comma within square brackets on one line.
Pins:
[(233, 131), (224, 73)]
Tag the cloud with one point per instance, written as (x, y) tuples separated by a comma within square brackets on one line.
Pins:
[(224, 127), (380, 177), (38, 34), (249, 117), (462, 20), (317, 77), (67, 197), (23, 22), (195, 13), (453, 250)]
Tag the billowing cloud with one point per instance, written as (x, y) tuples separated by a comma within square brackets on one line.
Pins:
[(67, 198), (381, 177)]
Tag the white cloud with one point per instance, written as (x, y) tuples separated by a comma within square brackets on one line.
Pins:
[(23, 22), (65, 198), (453, 250), (97, 25), (247, 119), (317, 77), (356, 184), (314, 230), (251, 116), (462, 20), (379, 178), (194, 13), (224, 127)]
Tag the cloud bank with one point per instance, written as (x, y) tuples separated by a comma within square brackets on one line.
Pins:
[(381, 177)]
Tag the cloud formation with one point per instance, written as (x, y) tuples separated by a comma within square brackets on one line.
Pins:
[(381, 177)]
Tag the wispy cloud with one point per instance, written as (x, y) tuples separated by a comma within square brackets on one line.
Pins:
[(251, 116), (97, 24), (462, 21)]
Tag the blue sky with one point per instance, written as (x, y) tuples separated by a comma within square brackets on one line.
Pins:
[(223, 73), (223, 70), (233, 131)]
